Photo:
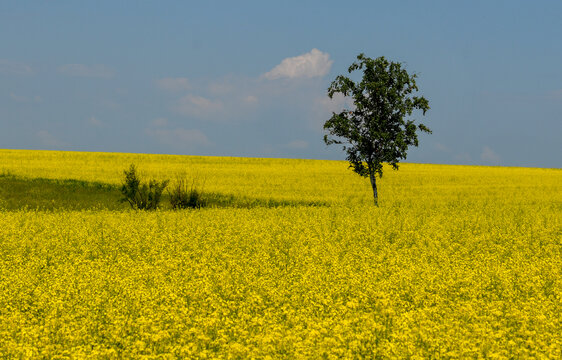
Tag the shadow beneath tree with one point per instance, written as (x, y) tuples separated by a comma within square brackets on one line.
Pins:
[(53, 194)]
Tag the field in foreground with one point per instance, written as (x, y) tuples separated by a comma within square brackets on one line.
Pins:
[(457, 262)]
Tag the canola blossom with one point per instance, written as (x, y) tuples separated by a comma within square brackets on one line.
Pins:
[(457, 262)]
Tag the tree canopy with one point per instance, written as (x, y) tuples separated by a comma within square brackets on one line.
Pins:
[(378, 129)]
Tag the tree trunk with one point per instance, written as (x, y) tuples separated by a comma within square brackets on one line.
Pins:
[(374, 185)]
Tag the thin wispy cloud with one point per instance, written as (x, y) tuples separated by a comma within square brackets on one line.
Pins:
[(335, 104), (83, 70), (221, 88), (442, 148), (312, 64), (193, 105), (14, 68), (94, 122), (251, 100), (297, 145), (555, 95), (159, 122), (48, 140), (463, 157), (25, 99), (173, 84), (230, 100), (323, 107), (177, 138), (489, 156), (18, 98)]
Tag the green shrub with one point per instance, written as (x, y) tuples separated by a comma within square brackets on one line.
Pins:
[(183, 196), (141, 196)]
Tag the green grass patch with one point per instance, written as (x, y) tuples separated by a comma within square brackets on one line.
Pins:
[(48, 194)]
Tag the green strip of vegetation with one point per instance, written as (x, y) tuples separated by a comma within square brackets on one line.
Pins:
[(50, 194)]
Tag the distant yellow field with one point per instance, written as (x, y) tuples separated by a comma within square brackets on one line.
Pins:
[(457, 262), (306, 180)]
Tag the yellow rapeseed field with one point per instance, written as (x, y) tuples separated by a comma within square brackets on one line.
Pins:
[(457, 262)]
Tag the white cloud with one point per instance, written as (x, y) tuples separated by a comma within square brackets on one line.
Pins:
[(14, 68), (192, 105), (490, 156), (48, 140), (83, 70), (173, 84), (309, 65)]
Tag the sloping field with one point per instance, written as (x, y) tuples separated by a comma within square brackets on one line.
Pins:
[(457, 262)]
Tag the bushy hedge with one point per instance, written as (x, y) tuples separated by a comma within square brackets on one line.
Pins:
[(183, 196), (141, 196)]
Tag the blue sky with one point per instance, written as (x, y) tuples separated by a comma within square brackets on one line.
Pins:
[(249, 78)]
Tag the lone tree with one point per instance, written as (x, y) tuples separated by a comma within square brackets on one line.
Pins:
[(376, 130)]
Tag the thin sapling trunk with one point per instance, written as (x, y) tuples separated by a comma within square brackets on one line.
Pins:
[(374, 185)]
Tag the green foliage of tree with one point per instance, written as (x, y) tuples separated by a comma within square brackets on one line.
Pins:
[(141, 196), (377, 129)]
